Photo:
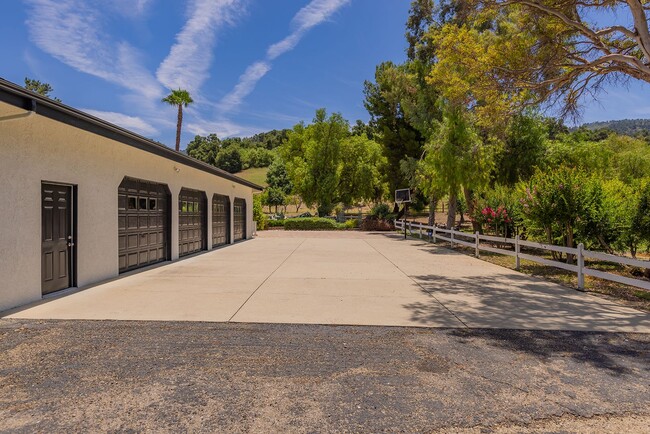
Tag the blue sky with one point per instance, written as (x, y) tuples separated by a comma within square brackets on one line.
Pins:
[(251, 65)]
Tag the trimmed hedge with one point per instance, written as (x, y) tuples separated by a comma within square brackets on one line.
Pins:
[(310, 224), (275, 223)]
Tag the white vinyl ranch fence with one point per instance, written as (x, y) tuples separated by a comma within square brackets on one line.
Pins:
[(474, 241)]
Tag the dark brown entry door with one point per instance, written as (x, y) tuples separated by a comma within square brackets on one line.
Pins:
[(239, 212), (220, 220), (192, 222), (57, 242)]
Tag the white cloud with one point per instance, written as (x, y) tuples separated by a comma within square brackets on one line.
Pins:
[(132, 123), (316, 12), (308, 17), (285, 45), (130, 8), (190, 57), (245, 86), (221, 127), (71, 32)]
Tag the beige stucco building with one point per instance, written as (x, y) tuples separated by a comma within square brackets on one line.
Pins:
[(85, 200)]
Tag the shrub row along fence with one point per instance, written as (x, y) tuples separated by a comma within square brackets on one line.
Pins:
[(455, 237)]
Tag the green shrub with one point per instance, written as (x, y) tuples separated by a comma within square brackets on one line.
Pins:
[(310, 224), (380, 211), (351, 224), (258, 213), (276, 223)]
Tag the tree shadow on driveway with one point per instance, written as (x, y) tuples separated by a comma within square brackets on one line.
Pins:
[(515, 301), (539, 318)]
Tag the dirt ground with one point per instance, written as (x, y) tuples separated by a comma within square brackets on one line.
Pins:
[(129, 376)]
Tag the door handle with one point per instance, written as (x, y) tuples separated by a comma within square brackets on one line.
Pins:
[(70, 244)]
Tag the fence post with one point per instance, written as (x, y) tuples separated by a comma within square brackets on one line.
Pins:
[(434, 234), (420, 230), (581, 266), (517, 260), (477, 253), (452, 237)]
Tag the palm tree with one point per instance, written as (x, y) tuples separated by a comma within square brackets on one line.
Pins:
[(178, 98)]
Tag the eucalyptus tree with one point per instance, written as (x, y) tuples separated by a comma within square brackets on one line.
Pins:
[(178, 98), (552, 51)]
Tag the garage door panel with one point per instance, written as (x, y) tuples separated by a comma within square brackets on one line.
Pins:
[(239, 211), (143, 222), (192, 220), (220, 220)]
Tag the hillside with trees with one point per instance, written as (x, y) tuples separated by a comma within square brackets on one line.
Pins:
[(235, 154), (628, 127)]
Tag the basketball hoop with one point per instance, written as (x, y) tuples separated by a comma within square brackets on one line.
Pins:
[(402, 196)]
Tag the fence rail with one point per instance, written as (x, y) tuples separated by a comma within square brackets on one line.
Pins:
[(450, 235)]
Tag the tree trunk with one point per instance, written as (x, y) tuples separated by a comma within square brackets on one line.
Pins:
[(471, 208), (178, 127), (451, 210), (433, 203), (400, 212), (569, 243)]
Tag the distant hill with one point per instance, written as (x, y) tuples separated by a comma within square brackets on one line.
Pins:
[(628, 127), (256, 175)]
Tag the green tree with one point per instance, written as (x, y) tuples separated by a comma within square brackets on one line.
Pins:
[(39, 87), (327, 165), (555, 204), (178, 98), (277, 177), (279, 184), (258, 212), (641, 219), (275, 197), (397, 136), (457, 159), (229, 159), (256, 157), (312, 156), (205, 149), (360, 177), (567, 53), (523, 149)]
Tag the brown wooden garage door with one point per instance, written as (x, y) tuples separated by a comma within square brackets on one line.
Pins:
[(220, 220), (192, 222), (239, 212), (143, 223)]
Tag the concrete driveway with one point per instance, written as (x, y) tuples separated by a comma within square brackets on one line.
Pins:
[(347, 278)]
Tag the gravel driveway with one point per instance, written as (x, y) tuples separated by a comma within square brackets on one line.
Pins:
[(128, 376)]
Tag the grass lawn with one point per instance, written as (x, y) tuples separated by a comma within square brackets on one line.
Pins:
[(256, 175)]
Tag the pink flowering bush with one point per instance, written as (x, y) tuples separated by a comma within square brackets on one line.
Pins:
[(497, 212)]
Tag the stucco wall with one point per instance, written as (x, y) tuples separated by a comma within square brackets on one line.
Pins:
[(35, 149)]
